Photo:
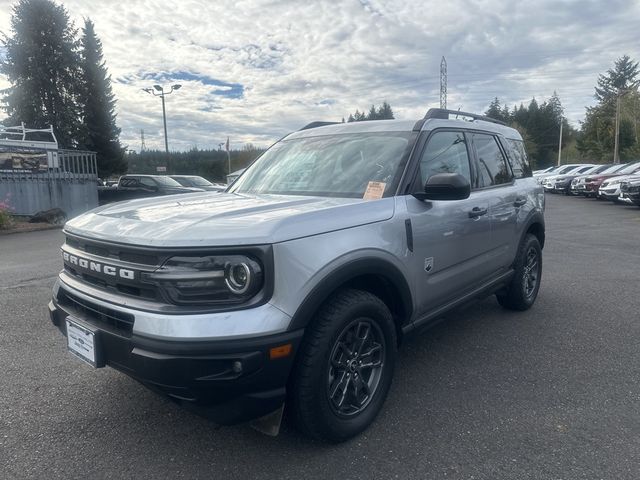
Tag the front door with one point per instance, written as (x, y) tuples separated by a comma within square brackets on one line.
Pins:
[(451, 237)]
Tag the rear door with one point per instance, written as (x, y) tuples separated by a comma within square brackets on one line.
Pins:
[(497, 185)]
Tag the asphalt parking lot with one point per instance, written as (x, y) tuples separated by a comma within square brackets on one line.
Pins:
[(552, 393)]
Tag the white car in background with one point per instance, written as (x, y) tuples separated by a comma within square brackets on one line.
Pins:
[(548, 180), (578, 184), (559, 171), (610, 188)]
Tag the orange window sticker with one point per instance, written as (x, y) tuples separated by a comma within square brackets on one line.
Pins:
[(374, 190)]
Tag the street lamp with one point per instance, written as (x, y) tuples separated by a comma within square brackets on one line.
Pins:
[(161, 94)]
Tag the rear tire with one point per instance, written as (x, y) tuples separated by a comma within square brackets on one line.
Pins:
[(522, 291), (344, 367)]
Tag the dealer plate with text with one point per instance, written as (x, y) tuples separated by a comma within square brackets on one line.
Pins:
[(81, 342)]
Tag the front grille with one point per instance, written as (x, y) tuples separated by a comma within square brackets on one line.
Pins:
[(117, 252), (138, 259), (106, 317), (114, 285)]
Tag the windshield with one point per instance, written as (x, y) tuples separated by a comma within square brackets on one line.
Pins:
[(600, 169), (166, 181), (567, 169), (616, 168), (330, 166), (630, 169)]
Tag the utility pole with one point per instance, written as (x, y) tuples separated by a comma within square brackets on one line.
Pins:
[(228, 157), (162, 93), (560, 144), (443, 83), (616, 146)]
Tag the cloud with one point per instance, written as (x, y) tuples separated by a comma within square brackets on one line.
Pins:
[(254, 70)]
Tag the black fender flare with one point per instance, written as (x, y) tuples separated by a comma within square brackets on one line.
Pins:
[(536, 217), (350, 271)]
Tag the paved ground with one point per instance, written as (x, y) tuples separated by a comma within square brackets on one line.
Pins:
[(553, 393)]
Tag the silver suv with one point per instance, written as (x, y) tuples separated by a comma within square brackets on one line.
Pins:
[(298, 284)]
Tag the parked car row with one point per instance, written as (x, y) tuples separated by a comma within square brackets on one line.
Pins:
[(619, 183)]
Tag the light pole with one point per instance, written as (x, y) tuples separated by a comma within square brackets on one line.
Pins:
[(153, 91)]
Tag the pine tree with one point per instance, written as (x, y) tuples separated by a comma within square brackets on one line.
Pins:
[(385, 112), (41, 63), (597, 136), (98, 106), (623, 77), (373, 113), (494, 110)]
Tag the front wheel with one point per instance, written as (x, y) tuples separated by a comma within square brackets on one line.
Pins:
[(345, 366), (522, 291)]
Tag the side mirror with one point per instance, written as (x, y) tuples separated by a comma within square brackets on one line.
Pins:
[(445, 186)]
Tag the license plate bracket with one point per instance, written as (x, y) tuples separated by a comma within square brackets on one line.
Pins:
[(83, 342)]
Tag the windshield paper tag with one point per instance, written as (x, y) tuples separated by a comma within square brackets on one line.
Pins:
[(374, 191)]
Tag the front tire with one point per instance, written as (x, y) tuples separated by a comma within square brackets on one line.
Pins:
[(522, 291), (345, 366)]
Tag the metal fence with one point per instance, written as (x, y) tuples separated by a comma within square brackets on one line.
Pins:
[(68, 181)]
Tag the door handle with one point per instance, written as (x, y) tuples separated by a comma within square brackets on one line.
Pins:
[(477, 212), (520, 201)]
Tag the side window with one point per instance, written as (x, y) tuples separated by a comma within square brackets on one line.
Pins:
[(518, 157), (147, 182), (492, 167), (446, 152), (128, 182)]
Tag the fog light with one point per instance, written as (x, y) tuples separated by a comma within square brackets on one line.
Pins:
[(237, 366)]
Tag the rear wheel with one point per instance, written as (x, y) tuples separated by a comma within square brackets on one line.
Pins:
[(521, 293), (345, 367)]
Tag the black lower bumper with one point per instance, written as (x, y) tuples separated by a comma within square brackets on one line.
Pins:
[(228, 381)]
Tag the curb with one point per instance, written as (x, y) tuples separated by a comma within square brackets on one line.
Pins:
[(38, 229)]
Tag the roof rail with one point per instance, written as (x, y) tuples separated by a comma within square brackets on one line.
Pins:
[(317, 124), (444, 114)]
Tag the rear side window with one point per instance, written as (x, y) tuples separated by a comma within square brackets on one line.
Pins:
[(128, 182), (446, 152), (492, 166), (518, 158), (147, 182)]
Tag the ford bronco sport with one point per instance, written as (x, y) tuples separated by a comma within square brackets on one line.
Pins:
[(296, 286)]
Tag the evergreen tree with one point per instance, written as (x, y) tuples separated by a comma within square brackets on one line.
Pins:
[(98, 107), (494, 110), (597, 136), (385, 112), (623, 77), (373, 113), (41, 63)]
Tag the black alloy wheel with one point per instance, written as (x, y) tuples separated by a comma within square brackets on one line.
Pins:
[(355, 367)]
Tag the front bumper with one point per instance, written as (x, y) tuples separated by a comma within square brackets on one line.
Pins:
[(633, 198), (229, 381), (610, 193)]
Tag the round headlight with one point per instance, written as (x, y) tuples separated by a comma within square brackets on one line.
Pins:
[(238, 277)]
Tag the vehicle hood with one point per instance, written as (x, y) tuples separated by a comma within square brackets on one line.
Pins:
[(181, 189), (621, 178), (602, 176), (218, 219), (560, 177)]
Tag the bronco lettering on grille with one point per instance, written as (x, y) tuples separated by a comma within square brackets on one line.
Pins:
[(92, 266)]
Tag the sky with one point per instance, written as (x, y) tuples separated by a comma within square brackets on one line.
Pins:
[(254, 70)]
